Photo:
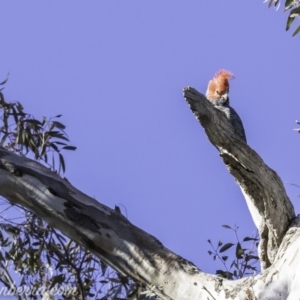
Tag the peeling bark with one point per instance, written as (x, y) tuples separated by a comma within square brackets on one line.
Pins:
[(133, 252)]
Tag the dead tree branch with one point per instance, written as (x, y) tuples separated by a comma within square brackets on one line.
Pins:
[(269, 205)]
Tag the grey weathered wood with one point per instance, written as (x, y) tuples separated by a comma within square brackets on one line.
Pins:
[(130, 250), (100, 229), (270, 207)]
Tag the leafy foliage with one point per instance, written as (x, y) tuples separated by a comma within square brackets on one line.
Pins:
[(245, 258), (293, 6), (44, 259), (25, 135)]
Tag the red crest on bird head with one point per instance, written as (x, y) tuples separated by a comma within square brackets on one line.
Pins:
[(224, 73), (219, 85)]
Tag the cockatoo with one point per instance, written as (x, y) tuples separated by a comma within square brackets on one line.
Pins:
[(218, 94)]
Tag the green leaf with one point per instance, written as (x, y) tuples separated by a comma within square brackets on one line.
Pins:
[(289, 4), (62, 162), (43, 152), (225, 257), (251, 267), (5, 121), (54, 147), (226, 247), (295, 12), (3, 82), (20, 108), (69, 148), (58, 125), (57, 279), (220, 243), (57, 135), (289, 22), (253, 257), (226, 226), (239, 251), (48, 258), (33, 121), (273, 2), (246, 239), (103, 281), (296, 31), (23, 137)]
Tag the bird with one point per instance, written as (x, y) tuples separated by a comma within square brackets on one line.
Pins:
[(218, 94)]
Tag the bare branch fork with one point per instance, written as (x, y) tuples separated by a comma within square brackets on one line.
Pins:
[(133, 252)]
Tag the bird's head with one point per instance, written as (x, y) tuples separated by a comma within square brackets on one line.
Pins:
[(218, 88)]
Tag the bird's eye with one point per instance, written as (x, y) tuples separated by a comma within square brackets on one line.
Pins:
[(218, 93)]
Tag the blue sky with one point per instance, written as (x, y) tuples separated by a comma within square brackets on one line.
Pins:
[(116, 70)]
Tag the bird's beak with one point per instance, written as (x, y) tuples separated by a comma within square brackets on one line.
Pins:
[(225, 97)]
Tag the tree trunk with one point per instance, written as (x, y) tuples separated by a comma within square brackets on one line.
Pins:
[(133, 252)]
